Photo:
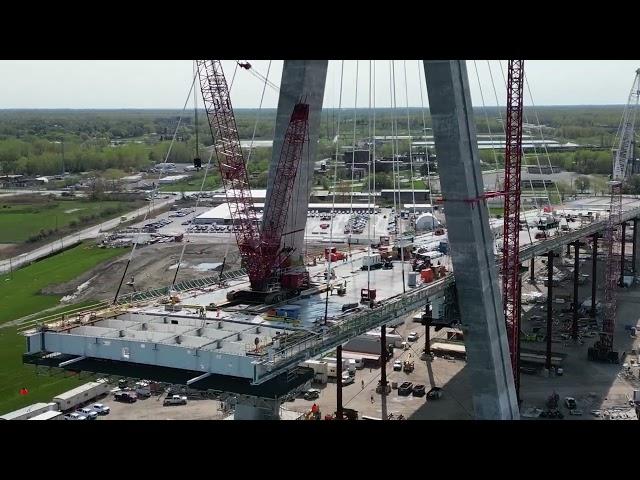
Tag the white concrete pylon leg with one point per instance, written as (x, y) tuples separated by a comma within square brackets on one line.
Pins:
[(471, 241)]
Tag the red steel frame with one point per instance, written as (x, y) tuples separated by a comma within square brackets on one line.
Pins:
[(511, 230), (233, 171), (275, 212)]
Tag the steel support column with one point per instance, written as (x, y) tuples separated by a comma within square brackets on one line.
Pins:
[(339, 382), (532, 273), (471, 241), (623, 243), (383, 358), (576, 275), (426, 320), (594, 283), (634, 246), (550, 256)]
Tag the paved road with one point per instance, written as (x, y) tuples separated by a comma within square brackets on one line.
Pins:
[(90, 232)]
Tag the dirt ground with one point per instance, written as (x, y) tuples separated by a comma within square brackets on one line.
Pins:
[(152, 409), (151, 268)]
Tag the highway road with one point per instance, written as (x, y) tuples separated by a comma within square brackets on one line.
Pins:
[(87, 233)]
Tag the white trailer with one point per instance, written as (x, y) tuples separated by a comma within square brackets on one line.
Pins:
[(371, 260), (29, 412), (50, 415), (82, 394)]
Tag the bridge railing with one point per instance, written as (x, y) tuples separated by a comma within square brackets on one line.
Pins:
[(352, 326)]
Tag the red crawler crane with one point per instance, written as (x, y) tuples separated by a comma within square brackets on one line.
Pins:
[(260, 252), (511, 229)]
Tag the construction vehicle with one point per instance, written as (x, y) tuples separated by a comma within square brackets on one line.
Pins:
[(333, 255), (367, 295), (408, 367), (372, 261), (552, 410), (267, 262)]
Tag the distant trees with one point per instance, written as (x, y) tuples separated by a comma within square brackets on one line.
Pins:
[(582, 183)]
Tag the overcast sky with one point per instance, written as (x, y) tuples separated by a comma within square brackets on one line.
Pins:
[(165, 83)]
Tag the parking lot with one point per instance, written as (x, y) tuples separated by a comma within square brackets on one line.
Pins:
[(455, 402)]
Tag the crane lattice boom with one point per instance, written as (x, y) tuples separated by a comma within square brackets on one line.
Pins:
[(612, 236), (233, 171), (511, 229), (275, 212)]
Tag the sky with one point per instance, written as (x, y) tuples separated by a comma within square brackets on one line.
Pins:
[(166, 83)]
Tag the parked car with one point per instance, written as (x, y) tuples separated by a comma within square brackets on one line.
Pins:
[(101, 409), (75, 416), (126, 397), (397, 366), (311, 394), (419, 390), (89, 413), (570, 403), (175, 400), (347, 380), (405, 388)]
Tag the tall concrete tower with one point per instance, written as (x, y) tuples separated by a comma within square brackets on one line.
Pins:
[(301, 80)]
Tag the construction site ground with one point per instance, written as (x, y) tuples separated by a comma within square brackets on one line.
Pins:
[(153, 266), (152, 409), (595, 386)]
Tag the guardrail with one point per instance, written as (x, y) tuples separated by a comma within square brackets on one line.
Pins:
[(147, 295)]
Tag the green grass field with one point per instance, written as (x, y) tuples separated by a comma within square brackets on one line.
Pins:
[(193, 184), (19, 291), (19, 297), (19, 221), (14, 375)]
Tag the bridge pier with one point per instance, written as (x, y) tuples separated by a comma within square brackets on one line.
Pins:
[(471, 241), (594, 264), (576, 275)]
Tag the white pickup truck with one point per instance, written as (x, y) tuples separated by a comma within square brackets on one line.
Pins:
[(175, 400)]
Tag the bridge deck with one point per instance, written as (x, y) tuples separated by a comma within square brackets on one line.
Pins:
[(302, 342)]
